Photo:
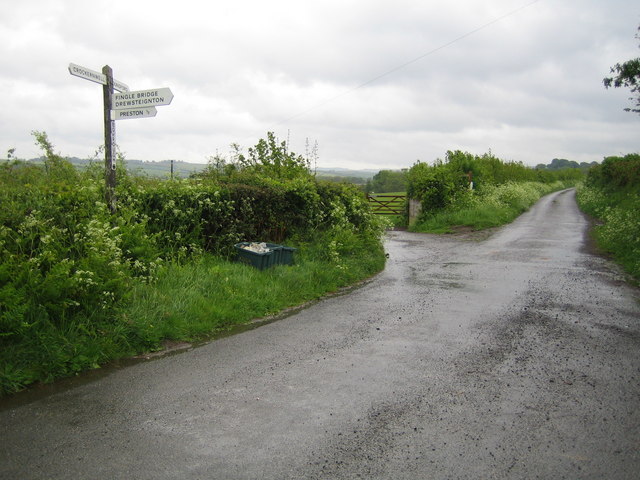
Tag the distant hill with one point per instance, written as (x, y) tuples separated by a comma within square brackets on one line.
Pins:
[(183, 169), (345, 172), (359, 177), (161, 168)]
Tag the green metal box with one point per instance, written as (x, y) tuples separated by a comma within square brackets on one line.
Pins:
[(274, 255), (259, 260)]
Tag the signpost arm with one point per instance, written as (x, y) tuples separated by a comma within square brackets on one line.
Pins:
[(109, 141)]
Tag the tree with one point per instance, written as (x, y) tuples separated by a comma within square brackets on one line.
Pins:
[(627, 75), (274, 160), (560, 163), (386, 181)]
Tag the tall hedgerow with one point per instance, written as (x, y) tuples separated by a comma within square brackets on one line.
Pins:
[(68, 264), (616, 173), (611, 193), (443, 183)]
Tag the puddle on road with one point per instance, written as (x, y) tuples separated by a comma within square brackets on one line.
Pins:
[(445, 281), (438, 283), (442, 283)]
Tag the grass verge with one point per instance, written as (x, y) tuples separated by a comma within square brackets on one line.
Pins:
[(619, 230), (192, 301)]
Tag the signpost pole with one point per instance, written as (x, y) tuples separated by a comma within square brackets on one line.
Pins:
[(109, 141), (127, 104)]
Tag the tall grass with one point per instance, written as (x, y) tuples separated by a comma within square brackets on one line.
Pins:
[(199, 299)]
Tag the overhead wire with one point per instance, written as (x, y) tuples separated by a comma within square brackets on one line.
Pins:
[(405, 64)]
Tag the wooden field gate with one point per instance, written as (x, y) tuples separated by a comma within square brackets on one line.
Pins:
[(387, 204)]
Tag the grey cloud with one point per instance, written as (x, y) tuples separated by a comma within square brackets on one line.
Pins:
[(528, 86)]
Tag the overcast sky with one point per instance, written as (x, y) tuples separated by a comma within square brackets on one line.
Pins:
[(377, 84)]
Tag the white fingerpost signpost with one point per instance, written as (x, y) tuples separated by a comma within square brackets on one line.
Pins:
[(119, 106)]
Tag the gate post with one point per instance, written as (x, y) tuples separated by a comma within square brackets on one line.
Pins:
[(415, 208)]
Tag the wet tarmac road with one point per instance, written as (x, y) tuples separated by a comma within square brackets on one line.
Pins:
[(514, 354)]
